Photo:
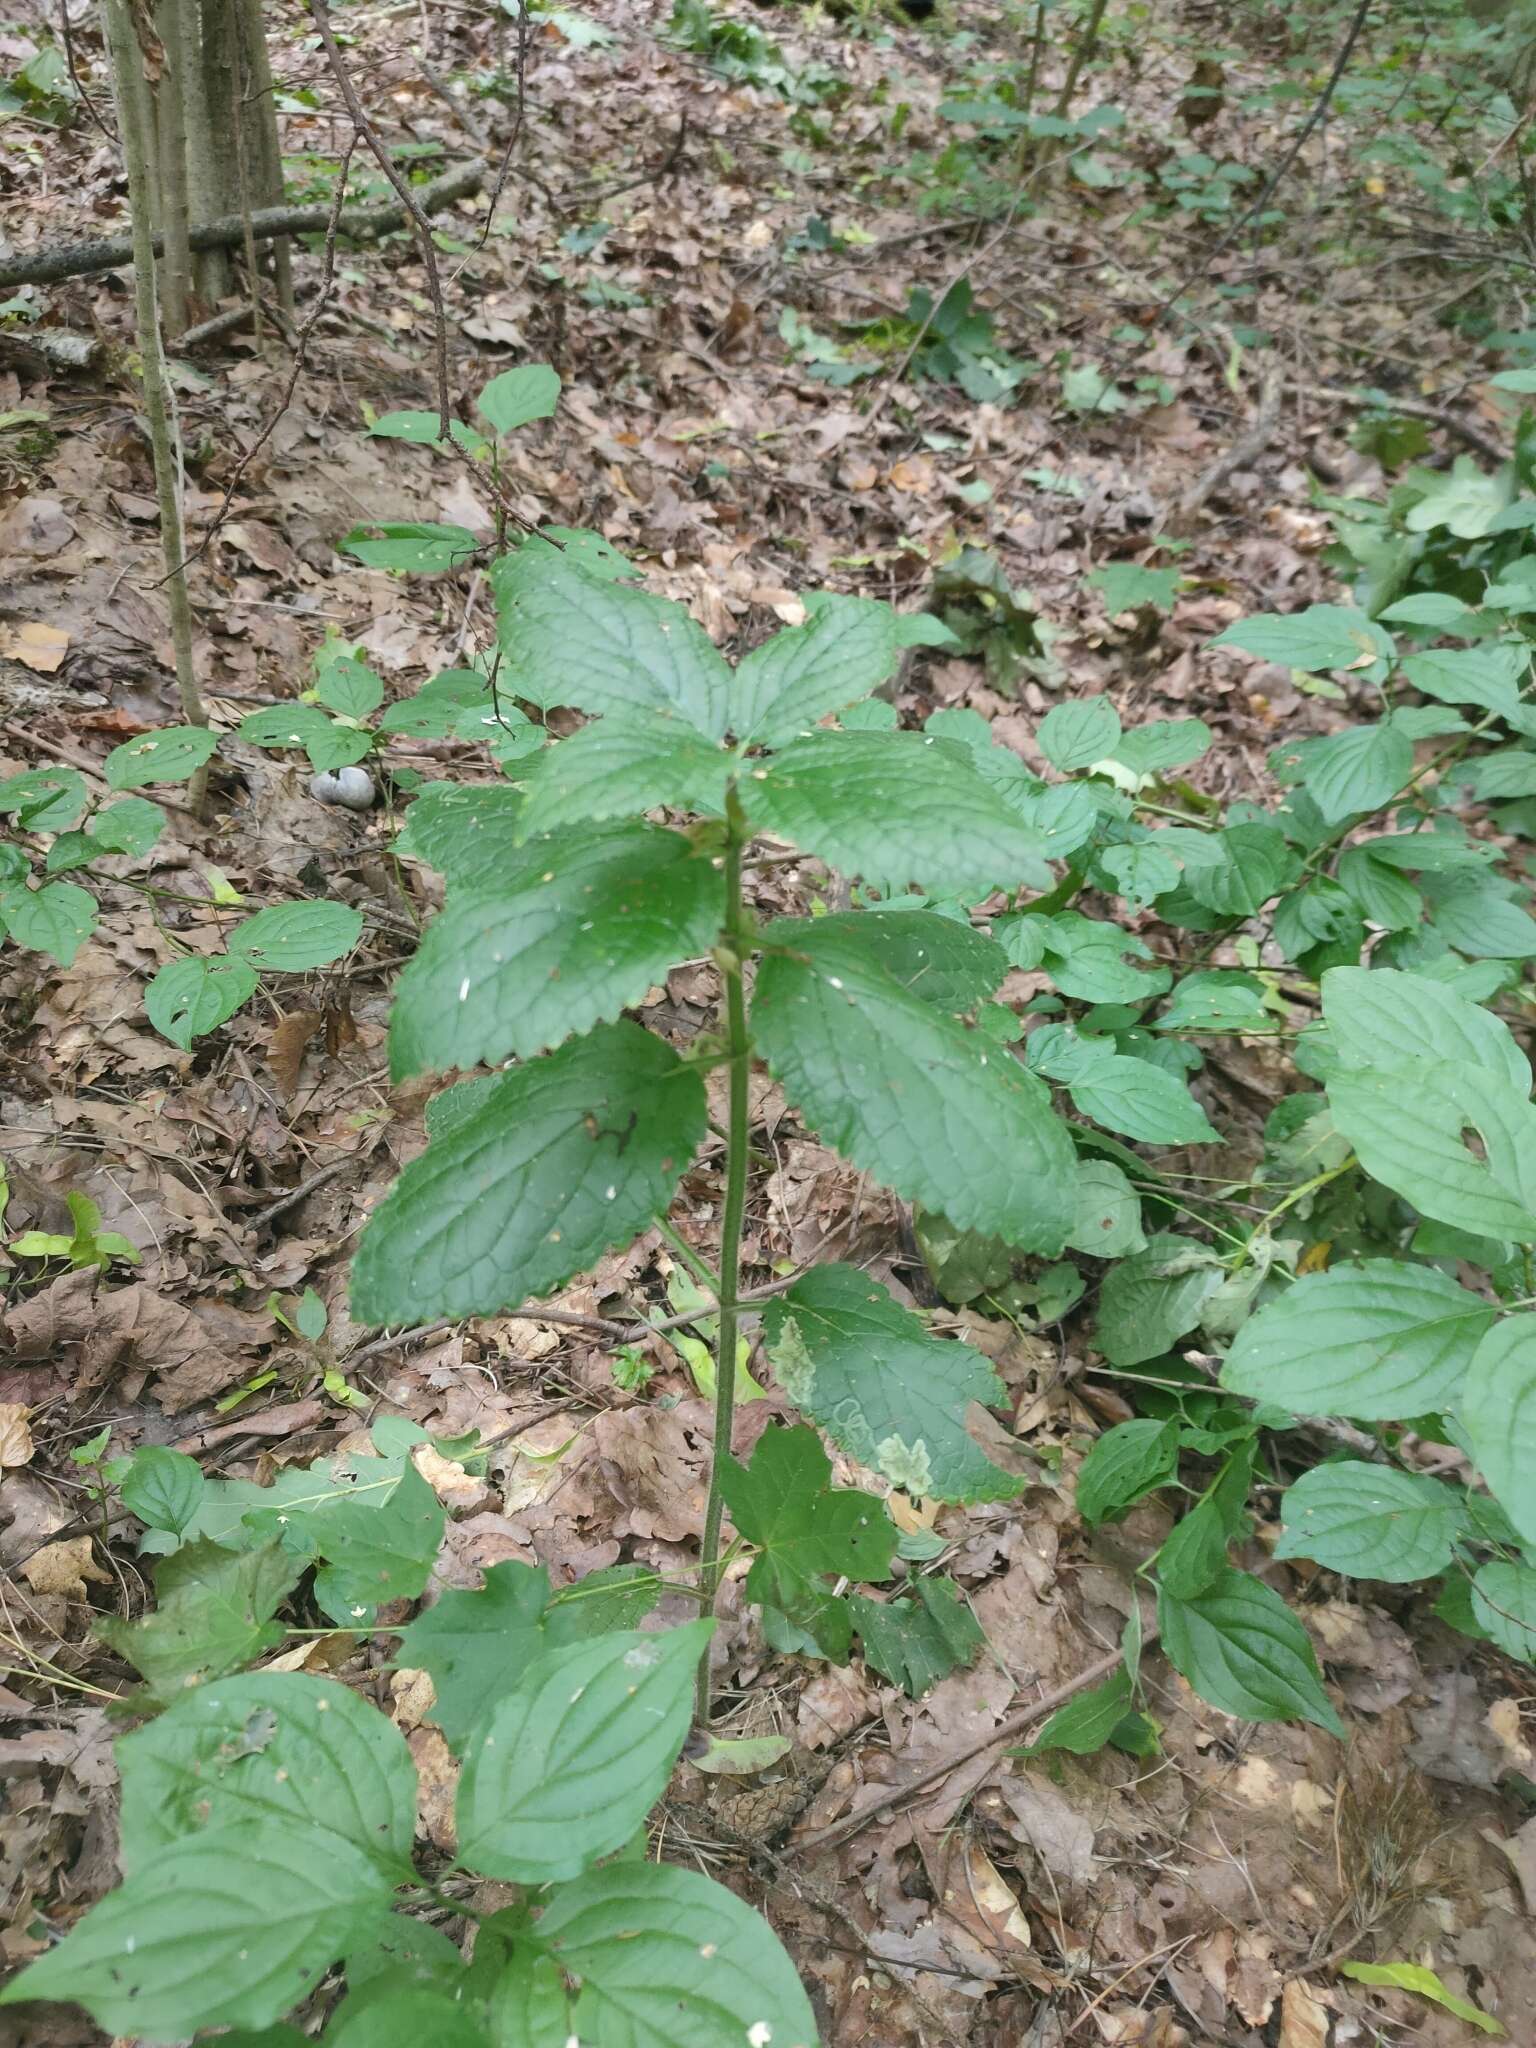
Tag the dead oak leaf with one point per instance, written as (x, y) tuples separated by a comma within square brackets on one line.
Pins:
[(15, 1434), (36, 646), (64, 1568)]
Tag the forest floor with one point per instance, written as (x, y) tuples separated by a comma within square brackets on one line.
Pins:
[(664, 229)]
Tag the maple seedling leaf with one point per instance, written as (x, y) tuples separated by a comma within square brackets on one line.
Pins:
[(806, 1530)]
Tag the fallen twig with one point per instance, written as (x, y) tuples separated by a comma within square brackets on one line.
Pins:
[(1007, 1731), (359, 223)]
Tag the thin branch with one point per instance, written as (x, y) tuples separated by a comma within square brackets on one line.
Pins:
[(407, 198), (360, 223), (78, 82), (515, 137), (1006, 1731)]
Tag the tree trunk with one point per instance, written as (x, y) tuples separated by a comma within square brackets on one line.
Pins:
[(137, 121), (258, 126), (171, 19), (213, 165)]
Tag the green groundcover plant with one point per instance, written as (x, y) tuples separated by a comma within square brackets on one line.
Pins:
[(1373, 1269)]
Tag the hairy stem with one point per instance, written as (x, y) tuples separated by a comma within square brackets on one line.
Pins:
[(735, 943)]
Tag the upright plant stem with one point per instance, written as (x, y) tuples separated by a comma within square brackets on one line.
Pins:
[(735, 944), (138, 130), (1087, 43)]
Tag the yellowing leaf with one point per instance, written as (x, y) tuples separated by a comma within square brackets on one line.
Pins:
[(1425, 1984)]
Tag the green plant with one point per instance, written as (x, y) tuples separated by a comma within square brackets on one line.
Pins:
[(1376, 1266), (87, 1244), (740, 50)]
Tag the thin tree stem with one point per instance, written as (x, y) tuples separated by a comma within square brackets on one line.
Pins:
[(731, 954), (1087, 43), (137, 127)]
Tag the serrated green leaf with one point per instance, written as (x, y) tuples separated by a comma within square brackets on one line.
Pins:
[(304, 726), (131, 826), (1357, 770), (1504, 1606), (1140, 1101), (1497, 1407), (1141, 873), (1244, 1651), (1375, 1341), (1408, 1128), (291, 937), (1323, 637), (1126, 586), (1475, 913), (466, 832), (1152, 1299), (434, 711), (1425, 1984), (572, 638), (1217, 1000), (567, 1764), (837, 795), (1132, 1459), (304, 1754), (667, 1959), (214, 1611), (1194, 1553), (886, 1391), (170, 755), (1380, 1017), (44, 799), (1108, 1221), (1250, 864), (1489, 676), (1379, 893), (950, 965), (1089, 959), (569, 934), (1073, 736), (411, 546), (404, 2015), (425, 429), (162, 1487), (1371, 1521), (289, 725), (231, 1929), (621, 765), (940, 1114), (512, 400), (806, 1530), (56, 919), (374, 1551), (914, 1643), (1165, 744), (191, 997), (472, 1644), (1085, 1725), (528, 2006), (1507, 774), (565, 1156), (846, 650), (349, 688)]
